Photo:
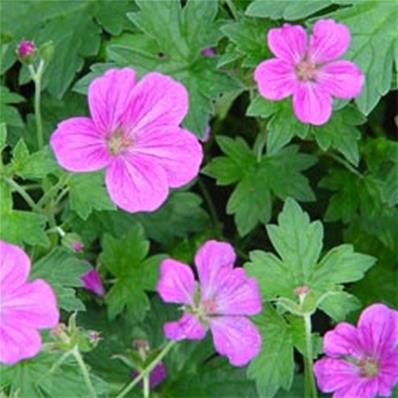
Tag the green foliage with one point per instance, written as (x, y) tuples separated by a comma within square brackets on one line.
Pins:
[(259, 179), (62, 270), (8, 113), (46, 20), (87, 193), (126, 260)]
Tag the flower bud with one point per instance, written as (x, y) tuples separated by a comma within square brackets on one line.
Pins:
[(92, 281), (26, 50), (208, 52), (73, 242)]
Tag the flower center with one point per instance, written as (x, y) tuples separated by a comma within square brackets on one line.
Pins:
[(368, 367), (306, 71), (117, 142), (209, 306)]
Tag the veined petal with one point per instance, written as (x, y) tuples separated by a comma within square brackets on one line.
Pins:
[(14, 268), (329, 40), (288, 43), (109, 97), (364, 388), (32, 305), (188, 327), (235, 337), (237, 294), (176, 283), (209, 259), (342, 79), (79, 146), (342, 340), (136, 184), (17, 344), (378, 329), (388, 373), (178, 151), (312, 104), (157, 100), (335, 374), (275, 79)]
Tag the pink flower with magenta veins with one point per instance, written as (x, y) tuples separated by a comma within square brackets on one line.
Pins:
[(362, 361), (134, 133), (221, 302), (309, 70)]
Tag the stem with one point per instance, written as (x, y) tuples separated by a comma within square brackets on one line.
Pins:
[(18, 188), (146, 390), (148, 370), (84, 370), (259, 145), (232, 8), (310, 388), (36, 77), (344, 163)]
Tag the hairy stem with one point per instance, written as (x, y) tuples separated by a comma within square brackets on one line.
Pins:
[(146, 390), (148, 370), (36, 77), (28, 199), (85, 373), (310, 386)]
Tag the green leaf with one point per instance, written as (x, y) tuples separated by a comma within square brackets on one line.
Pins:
[(278, 175), (390, 189), (70, 25), (174, 38), (339, 304), (289, 10), (63, 271), (87, 193), (374, 34), (273, 367), (19, 226), (9, 114), (299, 244), (126, 260)]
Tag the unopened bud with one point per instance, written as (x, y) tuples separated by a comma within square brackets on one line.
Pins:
[(26, 50), (301, 291)]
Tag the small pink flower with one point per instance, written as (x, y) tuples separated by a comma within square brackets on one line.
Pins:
[(361, 362), (157, 375), (208, 52), (221, 301), (134, 132), (77, 246), (26, 48), (309, 70), (25, 307), (92, 282)]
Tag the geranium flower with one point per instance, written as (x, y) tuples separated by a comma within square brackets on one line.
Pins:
[(221, 301), (361, 362), (24, 306), (309, 70), (92, 281), (134, 133)]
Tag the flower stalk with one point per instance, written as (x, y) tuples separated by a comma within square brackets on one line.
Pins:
[(310, 385)]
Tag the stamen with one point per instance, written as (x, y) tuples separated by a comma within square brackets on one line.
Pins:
[(118, 142)]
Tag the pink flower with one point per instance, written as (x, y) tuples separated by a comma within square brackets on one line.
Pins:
[(308, 70), (157, 375), (77, 246), (92, 282), (26, 48), (24, 306), (134, 133), (221, 301), (361, 362)]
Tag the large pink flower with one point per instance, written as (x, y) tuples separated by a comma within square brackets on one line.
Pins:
[(134, 132), (361, 362), (309, 70), (221, 301), (24, 306)]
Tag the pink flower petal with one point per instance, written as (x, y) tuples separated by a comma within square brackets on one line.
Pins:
[(136, 184), (17, 344), (378, 329), (209, 259), (329, 40), (235, 337), (188, 327), (312, 104), (365, 388), (342, 340), (342, 79), (32, 305), (109, 97), (178, 151), (275, 79), (176, 283), (79, 146), (334, 374), (288, 43), (237, 294), (14, 268), (157, 100), (388, 373), (92, 281)]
